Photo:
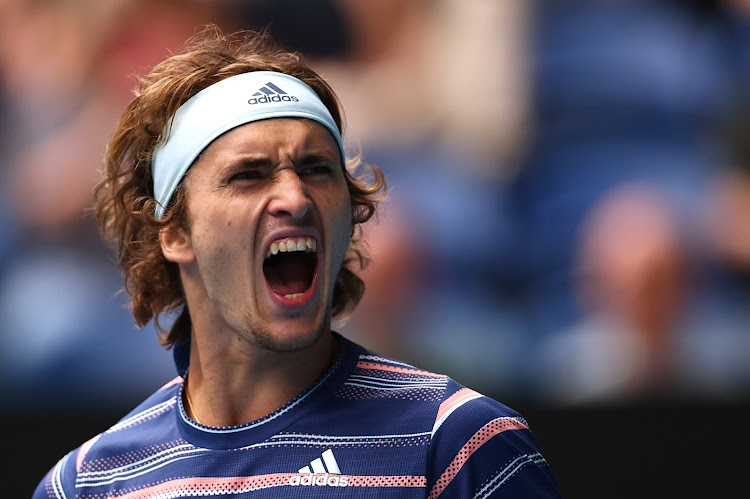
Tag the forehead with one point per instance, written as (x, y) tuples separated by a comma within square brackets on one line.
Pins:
[(273, 137)]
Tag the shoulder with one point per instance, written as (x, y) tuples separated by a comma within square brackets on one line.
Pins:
[(477, 446), (481, 447), (392, 382), (377, 387), (467, 409), (59, 482), (152, 422), (147, 424)]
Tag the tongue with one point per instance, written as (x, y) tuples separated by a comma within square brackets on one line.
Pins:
[(291, 275)]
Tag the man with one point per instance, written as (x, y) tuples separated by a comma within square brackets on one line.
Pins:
[(227, 191)]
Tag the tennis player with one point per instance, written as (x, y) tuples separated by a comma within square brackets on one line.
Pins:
[(235, 209)]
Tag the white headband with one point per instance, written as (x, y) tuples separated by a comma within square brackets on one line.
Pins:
[(224, 105)]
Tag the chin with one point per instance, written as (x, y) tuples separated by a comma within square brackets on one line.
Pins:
[(289, 338)]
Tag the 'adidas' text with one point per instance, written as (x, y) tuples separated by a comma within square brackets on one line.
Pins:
[(315, 479), (272, 98), (271, 93)]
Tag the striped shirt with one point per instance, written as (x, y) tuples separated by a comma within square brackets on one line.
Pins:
[(370, 427)]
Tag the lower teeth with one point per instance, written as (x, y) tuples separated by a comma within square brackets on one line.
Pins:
[(293, 295)]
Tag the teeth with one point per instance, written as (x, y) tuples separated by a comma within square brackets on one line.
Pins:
[(292, 296), (306, 244)]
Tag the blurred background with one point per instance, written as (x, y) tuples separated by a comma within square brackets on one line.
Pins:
[(567, 227)]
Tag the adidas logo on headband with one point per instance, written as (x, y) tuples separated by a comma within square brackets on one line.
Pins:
[(271, 93)]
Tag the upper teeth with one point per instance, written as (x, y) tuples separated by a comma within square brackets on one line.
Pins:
[(306, 244)]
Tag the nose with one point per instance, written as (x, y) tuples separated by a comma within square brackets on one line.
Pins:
[(290, 197)]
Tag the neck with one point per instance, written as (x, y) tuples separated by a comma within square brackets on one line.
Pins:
[(229, 386)]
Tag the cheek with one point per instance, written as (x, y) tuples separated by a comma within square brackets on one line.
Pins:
[(336, 213), (343, 221), (216, 235)]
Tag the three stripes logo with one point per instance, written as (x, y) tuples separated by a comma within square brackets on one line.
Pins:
[(271, 93), (321, 471)]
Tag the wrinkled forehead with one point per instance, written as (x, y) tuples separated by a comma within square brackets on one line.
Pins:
[(271, 141), (224, 106)]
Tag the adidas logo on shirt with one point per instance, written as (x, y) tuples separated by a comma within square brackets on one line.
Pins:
[(271, 93), (323, 472)]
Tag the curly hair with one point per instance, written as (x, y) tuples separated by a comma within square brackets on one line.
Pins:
[(124, 196)]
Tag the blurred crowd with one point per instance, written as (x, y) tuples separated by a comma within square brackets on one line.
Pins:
[(568, 219)]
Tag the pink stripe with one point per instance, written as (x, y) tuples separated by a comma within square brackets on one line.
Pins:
[(175, 381), (83, 451), (205, 485), (393, 369), (485, 433), (227, 485), (386, 481), (455, 400)]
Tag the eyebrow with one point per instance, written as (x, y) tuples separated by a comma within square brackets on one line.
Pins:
[(248, 162), (315, 157), (253, 162)]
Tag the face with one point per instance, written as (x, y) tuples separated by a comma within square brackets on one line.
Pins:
[(269, 219)]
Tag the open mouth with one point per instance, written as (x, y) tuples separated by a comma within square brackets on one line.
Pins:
[(290, 266)]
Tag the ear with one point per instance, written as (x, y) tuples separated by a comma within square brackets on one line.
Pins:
[(176, 245)]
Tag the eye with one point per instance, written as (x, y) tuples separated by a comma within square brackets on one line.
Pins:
[(322, 169), (245, 175)]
